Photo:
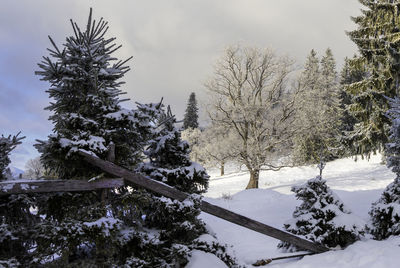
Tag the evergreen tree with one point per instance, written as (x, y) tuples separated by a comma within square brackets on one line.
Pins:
[(85, 81), (385, 213), (125, 227), (191, 115), (170, 160), (7, 144), (318, 112), (180, 229), (321, 217), (377, 38), (14, 212), (348, 75)]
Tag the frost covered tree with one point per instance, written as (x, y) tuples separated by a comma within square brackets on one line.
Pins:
[(385, 213), (34, 168), (192, 136), (7, 144), (87, 115), (248, 95), (216, 146), (318, 112), (191, 117), (322, 217), (377, 38)]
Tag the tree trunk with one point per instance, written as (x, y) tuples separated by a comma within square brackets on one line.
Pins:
[(222, 168), (254, 176)]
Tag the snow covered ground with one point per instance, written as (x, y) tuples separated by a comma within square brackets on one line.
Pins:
[(358, 184)]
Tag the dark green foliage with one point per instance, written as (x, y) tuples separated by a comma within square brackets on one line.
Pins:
[(385, 213), (85, 81), (377, 38), (124, 227), (348, 76), (191, 115), (17, 236), (7, 144), (170, 160), (321, 217)]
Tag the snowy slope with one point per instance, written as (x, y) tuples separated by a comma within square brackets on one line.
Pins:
[(358, 184), (16, 172)]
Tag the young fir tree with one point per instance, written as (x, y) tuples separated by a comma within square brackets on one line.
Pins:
[(318, 116), (170, 160), (377, 38), (191, 117), (7, 144), (385, 213), (180, 230), (321, 217), (85, 81)]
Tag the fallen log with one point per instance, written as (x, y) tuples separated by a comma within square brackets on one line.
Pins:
[(137, 179)]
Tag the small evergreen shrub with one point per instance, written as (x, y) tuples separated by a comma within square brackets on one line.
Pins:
[(385, 213), (321, 217)]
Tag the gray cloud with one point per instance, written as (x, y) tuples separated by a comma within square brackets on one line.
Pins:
[(174, 44)]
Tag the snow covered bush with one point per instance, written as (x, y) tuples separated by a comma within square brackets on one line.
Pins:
[(7, 144), (322, 217), (385, 213)]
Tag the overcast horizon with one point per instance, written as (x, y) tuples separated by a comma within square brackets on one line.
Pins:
[(173, 43)]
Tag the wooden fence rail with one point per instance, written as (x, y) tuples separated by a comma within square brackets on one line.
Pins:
[(136, 179), (48, 186), (168, 191)]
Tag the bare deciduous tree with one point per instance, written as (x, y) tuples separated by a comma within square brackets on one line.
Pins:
[(212, 146), (34, 168), (249, 95)]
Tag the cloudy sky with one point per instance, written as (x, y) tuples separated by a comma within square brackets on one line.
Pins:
[(173, 43)]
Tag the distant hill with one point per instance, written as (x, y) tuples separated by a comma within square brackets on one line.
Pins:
[(16, 171)]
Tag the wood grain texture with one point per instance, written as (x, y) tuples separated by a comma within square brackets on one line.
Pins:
[(17, 187)]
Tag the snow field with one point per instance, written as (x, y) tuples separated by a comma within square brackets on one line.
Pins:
[(358, 184)]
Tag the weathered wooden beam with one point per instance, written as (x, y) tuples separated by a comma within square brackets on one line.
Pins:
[(23, 187), (161, 188)]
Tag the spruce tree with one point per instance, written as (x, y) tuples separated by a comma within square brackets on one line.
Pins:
[(180, 229), (318, 112), (385, 213), (7, 144), (15, 216), (170, 160), (348, 75), (85, 81), (377, 38), (321, 217), (191, 117), (125, 227)]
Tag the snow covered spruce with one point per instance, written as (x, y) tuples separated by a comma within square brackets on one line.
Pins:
[(126, 227), (322, 217), (385, 213), (7, 144)]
